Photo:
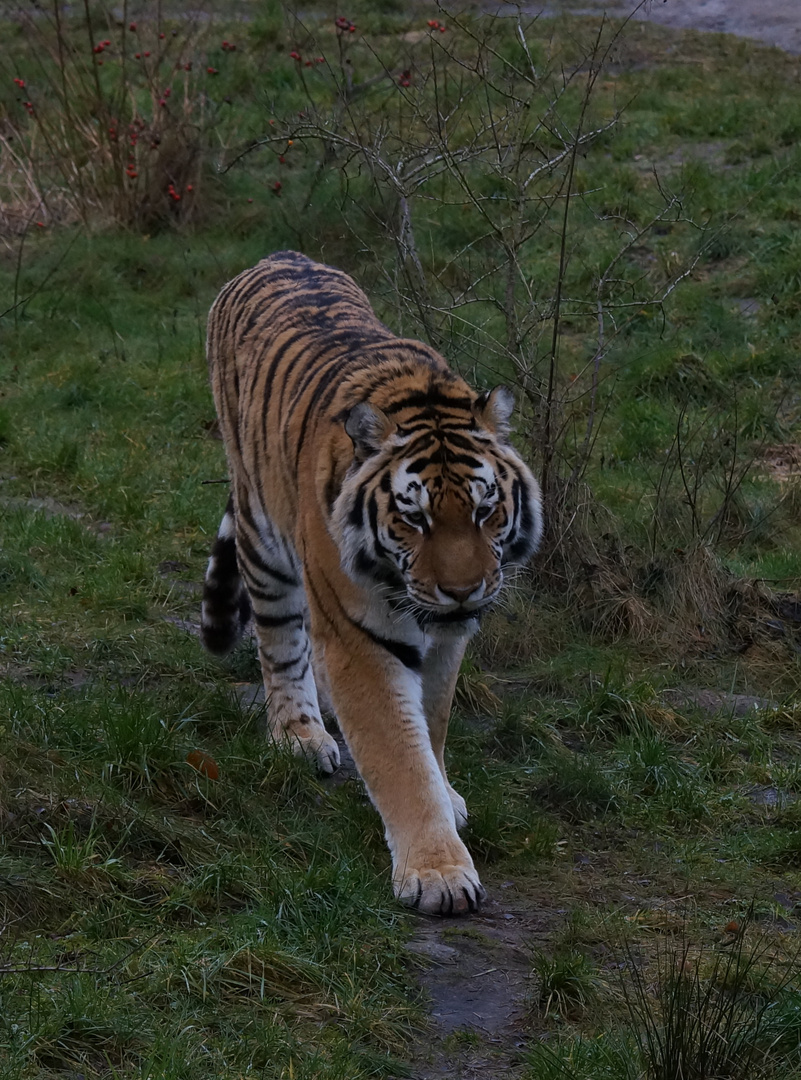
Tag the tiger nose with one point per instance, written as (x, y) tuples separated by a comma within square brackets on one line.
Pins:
[(460, 595)]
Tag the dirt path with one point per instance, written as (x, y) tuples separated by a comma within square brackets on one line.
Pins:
[(774, 22)]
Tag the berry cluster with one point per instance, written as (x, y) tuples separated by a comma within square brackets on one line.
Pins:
[(295, 55)]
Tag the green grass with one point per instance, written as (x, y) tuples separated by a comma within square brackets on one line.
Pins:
[(158, 922)]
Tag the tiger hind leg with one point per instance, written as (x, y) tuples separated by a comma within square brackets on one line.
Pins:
[(273, 578)]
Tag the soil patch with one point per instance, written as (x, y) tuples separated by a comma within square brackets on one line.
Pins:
[(781, 462), (476, 976)]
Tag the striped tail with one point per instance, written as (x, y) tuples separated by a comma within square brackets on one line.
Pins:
[(226, 607)]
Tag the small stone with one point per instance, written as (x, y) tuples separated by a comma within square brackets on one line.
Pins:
[(434, 950)]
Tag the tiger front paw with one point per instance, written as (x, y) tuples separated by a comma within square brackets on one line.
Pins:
[(449, 889)]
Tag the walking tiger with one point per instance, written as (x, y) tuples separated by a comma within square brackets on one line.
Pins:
[(375, 502)]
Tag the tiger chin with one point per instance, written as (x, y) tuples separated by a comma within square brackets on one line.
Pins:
[(376, 502)]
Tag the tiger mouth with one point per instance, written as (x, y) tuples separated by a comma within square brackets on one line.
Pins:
[(460, 615)]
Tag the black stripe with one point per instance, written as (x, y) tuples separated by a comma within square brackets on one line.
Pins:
[(250, 555), (285, 665), (459, 440), (356, 512), (268, 598), (372, 513), (363, 562), (526, 517), (409, 655), (466, 460), (272, 621), (277, 355), (429, 400)]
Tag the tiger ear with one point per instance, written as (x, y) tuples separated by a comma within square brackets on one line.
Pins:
[(494, 409), (368, 427)]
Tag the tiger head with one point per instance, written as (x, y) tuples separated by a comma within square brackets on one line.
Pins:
[(435, 504)]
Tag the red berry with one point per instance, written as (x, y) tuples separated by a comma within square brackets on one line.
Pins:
[(277, 186), (132, 26), (161, 37), (188, 67), (137, 56), (40, 224), (212, 71), (442, 29), (20, 83), (320, 60), (295, 55), (189, 187)]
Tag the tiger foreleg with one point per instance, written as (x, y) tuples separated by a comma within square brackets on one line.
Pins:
[(439, 674), (292, 707), (379, 703), (285, 652)]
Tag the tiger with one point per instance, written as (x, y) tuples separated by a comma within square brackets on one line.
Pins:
[(375, 502)]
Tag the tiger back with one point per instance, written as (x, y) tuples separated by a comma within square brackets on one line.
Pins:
[(375, 504)]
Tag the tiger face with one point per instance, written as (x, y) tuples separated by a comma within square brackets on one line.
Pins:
[(435, 513)]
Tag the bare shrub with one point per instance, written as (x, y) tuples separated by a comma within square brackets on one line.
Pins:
[(112, 122)]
